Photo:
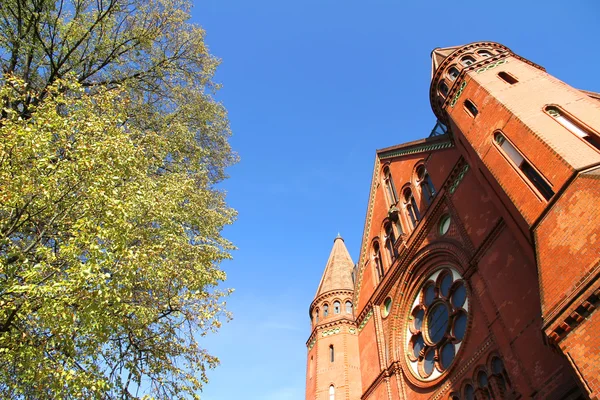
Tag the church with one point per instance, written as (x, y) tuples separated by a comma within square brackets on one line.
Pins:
[(478, 273)]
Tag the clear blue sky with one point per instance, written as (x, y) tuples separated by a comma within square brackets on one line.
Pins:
[(312, 89)]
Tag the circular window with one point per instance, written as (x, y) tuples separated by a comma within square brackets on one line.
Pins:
[(444, 224), (438, 324), (387, 306)]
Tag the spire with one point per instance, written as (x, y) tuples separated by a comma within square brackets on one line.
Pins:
[(438, 55), (338, 271)]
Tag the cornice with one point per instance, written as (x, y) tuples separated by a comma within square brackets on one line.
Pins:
[(330, 326), (416, 149)]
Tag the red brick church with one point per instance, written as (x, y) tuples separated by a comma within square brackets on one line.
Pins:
[(478, 272)]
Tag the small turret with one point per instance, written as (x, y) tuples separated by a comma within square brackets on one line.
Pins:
[(333, 360)]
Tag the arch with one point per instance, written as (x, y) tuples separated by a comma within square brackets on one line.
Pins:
[(390, 241), (453, 73), (467, 60), (434, 256), (348, 306), (325, 310), (331, 392), (337, 307), (388, 184), (377, 260), (413, 214), (468, 390), (423, 180)]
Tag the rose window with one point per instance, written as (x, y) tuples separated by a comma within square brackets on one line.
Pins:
[(437, 324)]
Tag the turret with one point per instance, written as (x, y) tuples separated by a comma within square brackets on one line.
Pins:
[(333, 360)]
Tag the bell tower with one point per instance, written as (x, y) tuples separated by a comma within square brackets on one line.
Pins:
[(333, 362)]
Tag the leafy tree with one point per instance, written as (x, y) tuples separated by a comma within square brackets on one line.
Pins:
[(111, 145)]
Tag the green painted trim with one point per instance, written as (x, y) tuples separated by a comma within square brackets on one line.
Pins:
[(458, 93), (364, 321), (459, 178), (494, 65), (413, 150)]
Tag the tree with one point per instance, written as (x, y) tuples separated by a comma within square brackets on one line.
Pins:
[(111, 147)]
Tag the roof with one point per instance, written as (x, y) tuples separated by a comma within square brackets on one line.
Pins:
[(438, 55), (338, 270)]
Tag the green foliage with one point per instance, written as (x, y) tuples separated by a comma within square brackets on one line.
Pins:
[(110, 149)]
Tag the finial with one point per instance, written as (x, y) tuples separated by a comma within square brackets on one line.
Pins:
[(338, 237)]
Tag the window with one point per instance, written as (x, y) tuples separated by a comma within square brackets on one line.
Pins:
[(336, 307), (573, 126), (469, 392), (482, 382), (331, 353), (471, 109), (453, 73), (467, 60), (389, 186), (331, 392), (377, 260), (427, 189), (443, 89), (325, 310), (438, 323), (444, 224), (348, 307), (317, 316), (411, 207), (390, 240), (532, 175), (499, 374), (387, 307), (508, 78), (484, 53)]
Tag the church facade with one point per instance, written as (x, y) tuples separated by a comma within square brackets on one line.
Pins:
[(477, 276)]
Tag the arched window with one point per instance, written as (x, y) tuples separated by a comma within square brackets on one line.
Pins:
[(467, 60), (336, 307), (471, 109), (325, 310), (469, 392), (499, 375), (390, 240), (411, 207), (573, 126), (348, 307), (427, 189), (483, 383), (331, 353), (317, 316), (331, 393), (389, 186), (508, 78), (443, 89), (531, 173), (484, 53), (377, 260), (453, 73)]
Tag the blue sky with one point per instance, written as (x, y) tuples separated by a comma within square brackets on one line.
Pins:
[(312, 89)]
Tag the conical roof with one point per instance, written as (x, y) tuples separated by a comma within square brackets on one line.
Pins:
[(338, 271), (440, 54)]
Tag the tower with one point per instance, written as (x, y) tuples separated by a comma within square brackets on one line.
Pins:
[(333, 361), (537, 140)]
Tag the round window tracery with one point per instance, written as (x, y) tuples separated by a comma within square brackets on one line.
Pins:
[(438, 323)]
